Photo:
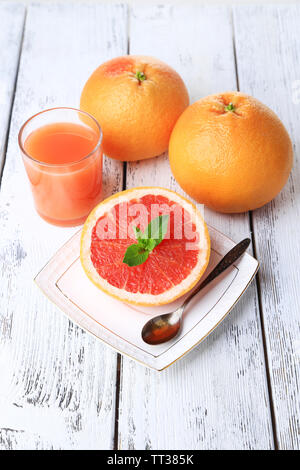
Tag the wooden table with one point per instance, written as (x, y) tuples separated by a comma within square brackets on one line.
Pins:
[(61, 388)]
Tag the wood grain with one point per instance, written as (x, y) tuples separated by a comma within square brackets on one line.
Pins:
[(269, 68), (58, 385), (57, 382), (216, 397), (12, 17)]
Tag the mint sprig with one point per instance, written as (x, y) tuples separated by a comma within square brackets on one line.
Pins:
[(154, 234)]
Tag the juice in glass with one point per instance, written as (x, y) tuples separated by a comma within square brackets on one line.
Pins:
[(62, 154)]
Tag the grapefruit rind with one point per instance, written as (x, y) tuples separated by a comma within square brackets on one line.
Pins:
[(140, 298)]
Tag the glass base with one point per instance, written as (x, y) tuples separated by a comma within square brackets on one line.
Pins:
[(64, 223)]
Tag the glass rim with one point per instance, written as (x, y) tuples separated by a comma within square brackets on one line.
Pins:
[(55, 165)]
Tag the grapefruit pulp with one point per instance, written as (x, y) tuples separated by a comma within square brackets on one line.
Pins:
[(172, 268)]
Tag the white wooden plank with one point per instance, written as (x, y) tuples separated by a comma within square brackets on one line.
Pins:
[(268, 58), (11, 28), (57, 383), (216, 397)]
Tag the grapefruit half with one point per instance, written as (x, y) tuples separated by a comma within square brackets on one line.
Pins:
[(172, 268)]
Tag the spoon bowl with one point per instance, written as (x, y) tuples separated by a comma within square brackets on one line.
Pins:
[(162, 328)]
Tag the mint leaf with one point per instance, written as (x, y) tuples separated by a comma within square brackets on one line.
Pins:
[(137, 232), (157, 228), (147, 243), (135, 255)]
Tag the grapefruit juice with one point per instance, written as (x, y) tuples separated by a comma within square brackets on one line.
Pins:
[(63, 161)]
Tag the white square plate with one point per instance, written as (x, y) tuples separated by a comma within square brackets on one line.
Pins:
[(119, 325)]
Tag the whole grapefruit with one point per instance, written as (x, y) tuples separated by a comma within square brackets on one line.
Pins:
[(230, 152), (136, 100)]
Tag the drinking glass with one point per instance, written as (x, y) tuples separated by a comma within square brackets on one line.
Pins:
[(64, 193)]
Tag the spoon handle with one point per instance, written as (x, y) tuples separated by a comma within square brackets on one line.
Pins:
[(225, 262)]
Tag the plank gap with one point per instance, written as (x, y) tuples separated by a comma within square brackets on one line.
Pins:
[(234, 52), (128, 29), (119, 357), (117, 402), (260, 308), (124, 175), (257, 283), (2, 162)]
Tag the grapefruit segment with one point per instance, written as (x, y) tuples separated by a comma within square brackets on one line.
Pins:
[(172, 268)]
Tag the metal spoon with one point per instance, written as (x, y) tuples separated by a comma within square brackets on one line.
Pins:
[(164, 327)]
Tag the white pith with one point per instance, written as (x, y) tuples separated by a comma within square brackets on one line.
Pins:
[(139, 298)]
